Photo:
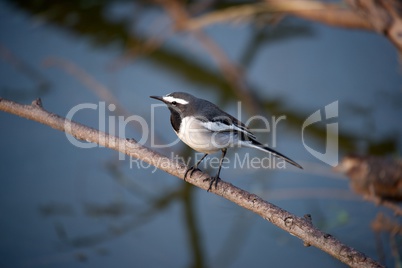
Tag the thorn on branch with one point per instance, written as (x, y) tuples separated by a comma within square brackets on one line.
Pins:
[(308, 218), (37, 103), (326, 236)]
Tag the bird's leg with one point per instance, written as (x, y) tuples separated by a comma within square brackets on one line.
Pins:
[(216, 179), (194, 168)]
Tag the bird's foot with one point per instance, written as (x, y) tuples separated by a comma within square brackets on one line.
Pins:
[(191, 170), (212, 180)]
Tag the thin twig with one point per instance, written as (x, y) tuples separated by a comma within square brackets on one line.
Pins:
[(103, 92), (86, 79)]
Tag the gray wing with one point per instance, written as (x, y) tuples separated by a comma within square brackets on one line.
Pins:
[(219, 121)]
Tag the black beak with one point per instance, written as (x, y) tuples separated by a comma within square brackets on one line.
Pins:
[(157, 98)]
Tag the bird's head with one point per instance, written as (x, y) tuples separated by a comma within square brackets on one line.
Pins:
[(178, 102)]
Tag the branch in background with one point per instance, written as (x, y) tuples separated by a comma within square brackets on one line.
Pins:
[(381, 16), (86, 79), (377, 179), (296, 226), (103, 92), (330, 14), (337, 15), (384, 16), (24, 68), (232, 73), (383, 224)]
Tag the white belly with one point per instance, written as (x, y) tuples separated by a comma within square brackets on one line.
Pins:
[(201, 139)]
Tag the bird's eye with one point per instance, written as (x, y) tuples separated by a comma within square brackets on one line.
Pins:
[(174, 103)]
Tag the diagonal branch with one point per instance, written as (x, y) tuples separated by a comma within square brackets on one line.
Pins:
[(302, 228), (331, 14), (381, 16)]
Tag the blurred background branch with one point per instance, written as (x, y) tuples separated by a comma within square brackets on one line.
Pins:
[(383, 17)]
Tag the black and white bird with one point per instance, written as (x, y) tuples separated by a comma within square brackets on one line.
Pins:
[(206, 128)]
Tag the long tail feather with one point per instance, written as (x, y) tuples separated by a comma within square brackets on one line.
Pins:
[(255, 144)]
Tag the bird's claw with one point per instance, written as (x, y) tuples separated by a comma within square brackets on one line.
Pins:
[(191, 170), (215, 179)]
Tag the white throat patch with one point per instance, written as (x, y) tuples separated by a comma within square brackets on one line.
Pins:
[(172, 99)]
